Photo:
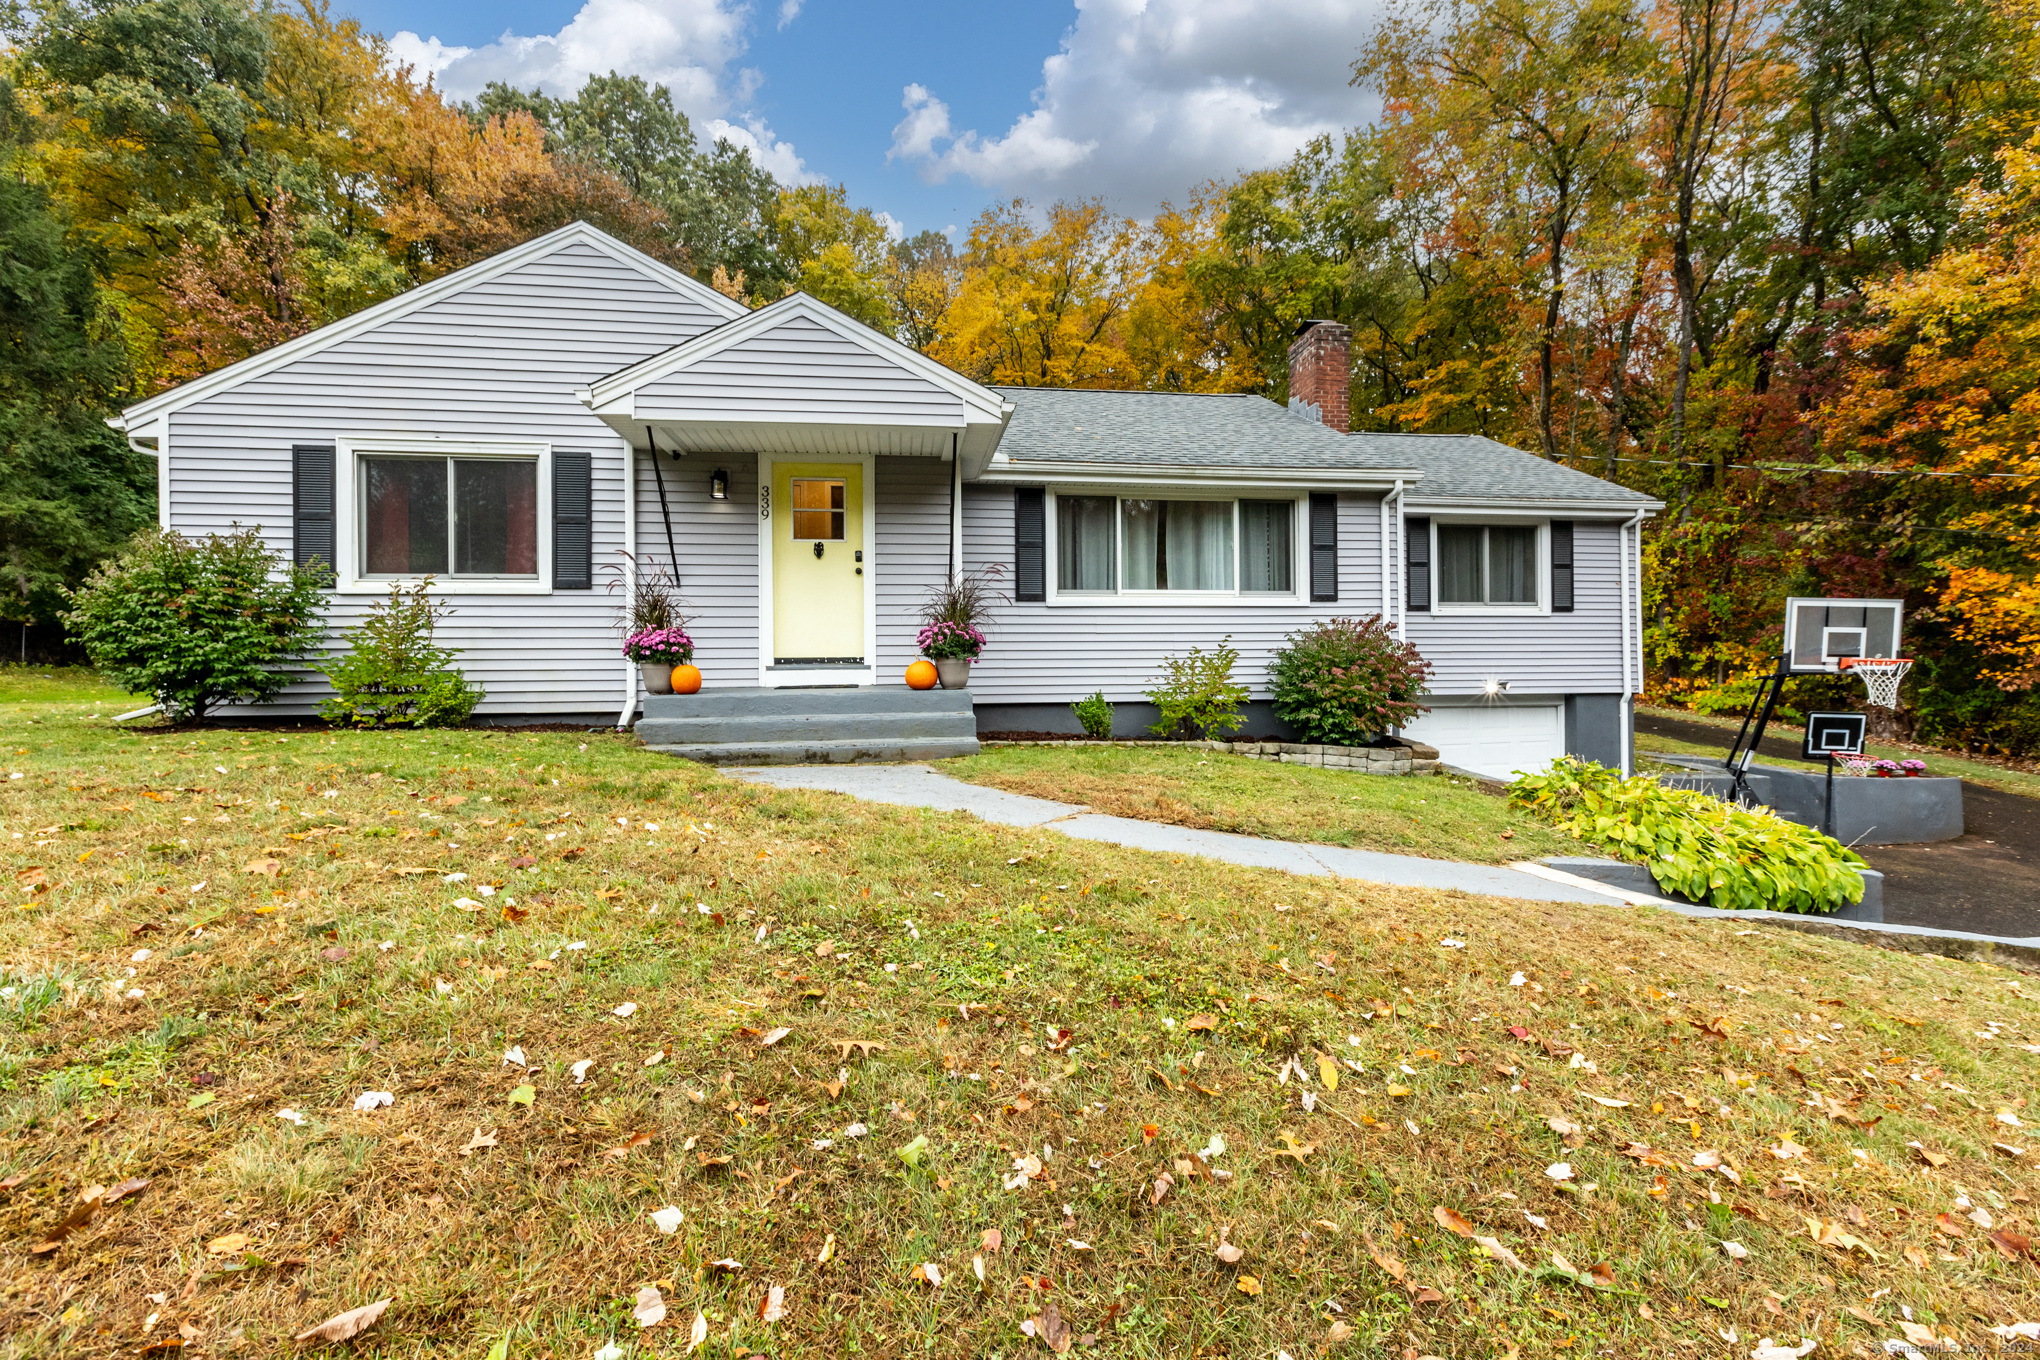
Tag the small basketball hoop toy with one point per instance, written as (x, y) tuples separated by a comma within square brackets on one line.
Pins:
[(1880, 675)]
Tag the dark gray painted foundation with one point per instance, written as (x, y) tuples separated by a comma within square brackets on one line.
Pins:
[(1129, 720), (1594, 728)]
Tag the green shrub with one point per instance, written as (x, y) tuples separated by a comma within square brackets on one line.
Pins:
[(395, 675), (1694, 845), (198, 622), (1094, 715), (1196, 693), (1347, 681)]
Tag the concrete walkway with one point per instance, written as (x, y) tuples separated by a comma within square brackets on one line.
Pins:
[(920, 786)]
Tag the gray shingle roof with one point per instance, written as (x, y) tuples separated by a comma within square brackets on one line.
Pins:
[(1062, 425)]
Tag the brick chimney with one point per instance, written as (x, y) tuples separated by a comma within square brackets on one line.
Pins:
[(1321, 372)]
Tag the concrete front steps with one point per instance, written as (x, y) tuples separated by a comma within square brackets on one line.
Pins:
[(850, 724)]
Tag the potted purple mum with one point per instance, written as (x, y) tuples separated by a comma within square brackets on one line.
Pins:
[(657, 651)]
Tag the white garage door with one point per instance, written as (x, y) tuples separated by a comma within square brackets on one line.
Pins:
[(1493, 739)]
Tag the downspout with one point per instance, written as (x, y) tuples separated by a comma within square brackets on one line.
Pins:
[(1629, 640), (630, 671), (1393, 600), (955, 509), (672, 553)]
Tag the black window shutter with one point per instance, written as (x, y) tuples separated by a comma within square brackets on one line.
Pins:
[(1324, 546), (312, 532), (1030, 544), (573, 497), (1417, 563), (1561, 567)]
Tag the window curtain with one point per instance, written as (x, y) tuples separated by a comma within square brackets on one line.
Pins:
[(1512, 564), (1459, 564), (1178, 545), (1267, 558), (1083, 543)]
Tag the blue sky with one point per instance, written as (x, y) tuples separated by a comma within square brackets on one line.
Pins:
[(930, 111)]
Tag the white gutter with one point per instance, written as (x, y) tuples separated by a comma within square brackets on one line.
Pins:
[(630, 670), (1391, 538), (1634, 527)]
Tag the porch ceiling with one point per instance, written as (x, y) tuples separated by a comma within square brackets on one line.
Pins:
[(831, 439)]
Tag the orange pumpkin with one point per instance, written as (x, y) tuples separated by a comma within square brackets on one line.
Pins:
[(687, 680), (920, 675)]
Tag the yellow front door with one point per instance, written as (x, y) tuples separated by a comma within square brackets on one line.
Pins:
[(817, 563)]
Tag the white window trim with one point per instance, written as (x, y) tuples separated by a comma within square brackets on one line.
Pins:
[(1299, 550), (1541, 573), (349, 528)]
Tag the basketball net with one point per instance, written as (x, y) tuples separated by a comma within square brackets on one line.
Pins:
[(1880, 676)]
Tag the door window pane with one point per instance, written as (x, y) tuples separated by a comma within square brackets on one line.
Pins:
[(405, 523), (1512, 564), (495, 522), (1178, 545), (818, 508), (1459, 564), (1266, 559), (1083, 543)]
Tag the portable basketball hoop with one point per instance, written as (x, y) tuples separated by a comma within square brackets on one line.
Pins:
[(1880, 676)]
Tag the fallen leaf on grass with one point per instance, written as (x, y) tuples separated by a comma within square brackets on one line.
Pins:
[(268, 867), (1787, 1150), (1227, 1252), (1294, 1149), (344, 1326), (232, 1244), (650, 1307), (865, 1048), (479, 1141), (1164, 1183), (369, 1101), (123, 1190), (1048, 1327), (828, 1250), (523, 1095), (699, 1334), (728, 1265), (1559, 1171), (775, 1036), (1452, 1221), (927, 1272), (1767, 1349), (624, 1011), (667, 1220), (1946, 1225), (1916, 1258), (1610, 1101), (1197, 1023), (1830, 1234), (1736, 1250), (772, 1307), (1247, 1284), (636, 1140), (81, 1213), (1501, 1253), (2011, 1244)]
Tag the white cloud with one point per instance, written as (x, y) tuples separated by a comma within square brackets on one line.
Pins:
[(1147, 98), (789, 10), (689, 46)]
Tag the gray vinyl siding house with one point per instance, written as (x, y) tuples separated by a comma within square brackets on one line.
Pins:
[(527, 429)]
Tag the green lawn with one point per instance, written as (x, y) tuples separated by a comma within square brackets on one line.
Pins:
[(1938, 761), (1439, 816), (75, 687), (851, 1022)]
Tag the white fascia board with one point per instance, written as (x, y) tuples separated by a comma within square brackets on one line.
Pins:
[(1167, 474), (981, 400), (144, 437), (424, 295), (1416, 504)]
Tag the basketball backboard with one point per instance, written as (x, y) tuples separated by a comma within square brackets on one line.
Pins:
[(1820, 633), (1834, 734)]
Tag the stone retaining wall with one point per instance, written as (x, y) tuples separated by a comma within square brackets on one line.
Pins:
[(1407, 758)]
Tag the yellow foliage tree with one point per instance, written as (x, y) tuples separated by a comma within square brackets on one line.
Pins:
[(1946, 378)]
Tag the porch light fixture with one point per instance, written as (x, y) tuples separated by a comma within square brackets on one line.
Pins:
[(1495, 689), (718, 485)]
